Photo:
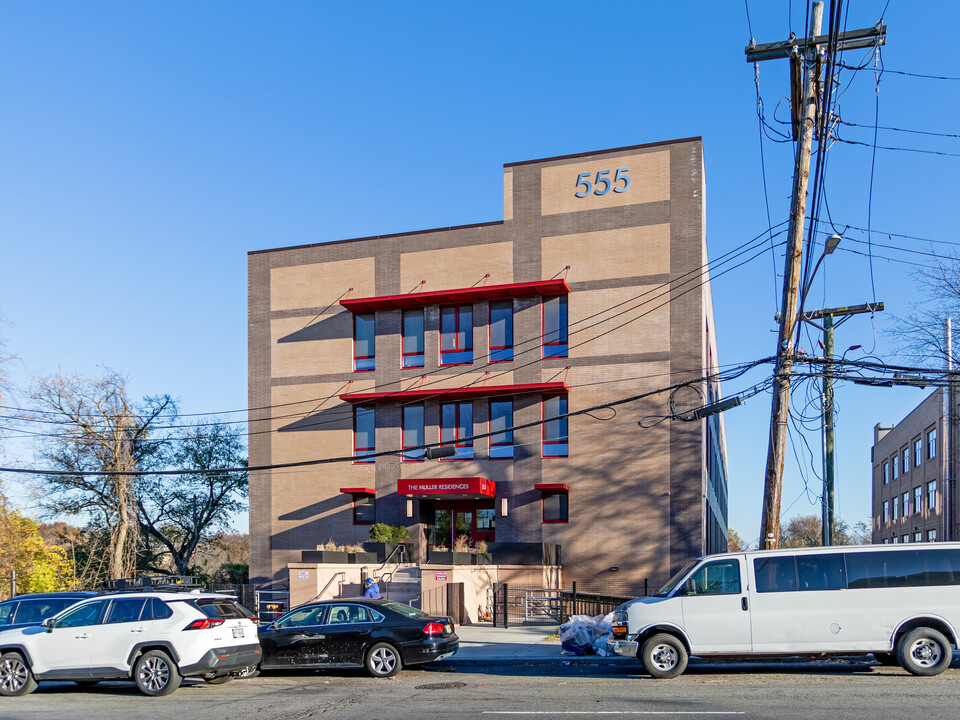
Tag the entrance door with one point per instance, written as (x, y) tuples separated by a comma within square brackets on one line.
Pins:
[(451, 519)]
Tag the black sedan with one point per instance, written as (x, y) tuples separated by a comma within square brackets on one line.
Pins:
[(380, 635)]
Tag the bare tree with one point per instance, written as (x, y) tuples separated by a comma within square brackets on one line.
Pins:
[(919, 336), (98, 428), (806, 531), (180, 514)]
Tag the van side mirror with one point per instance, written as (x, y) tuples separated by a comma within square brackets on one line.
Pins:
[(48, 624), (690, 587)]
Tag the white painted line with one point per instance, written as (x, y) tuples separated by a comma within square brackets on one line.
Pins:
[(613, 712)]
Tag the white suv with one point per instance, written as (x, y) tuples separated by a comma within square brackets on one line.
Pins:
[(153, 638)]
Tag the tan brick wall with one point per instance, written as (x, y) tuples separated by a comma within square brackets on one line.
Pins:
[(649, 182), (319, 284), (607, 254), (457, 267), (644, 309)]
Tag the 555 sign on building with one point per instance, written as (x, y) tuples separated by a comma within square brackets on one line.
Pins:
[(602, 183)]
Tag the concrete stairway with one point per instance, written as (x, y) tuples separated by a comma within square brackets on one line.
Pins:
[(403, 584)]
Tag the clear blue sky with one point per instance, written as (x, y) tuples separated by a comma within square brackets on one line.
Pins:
[(146, 147)]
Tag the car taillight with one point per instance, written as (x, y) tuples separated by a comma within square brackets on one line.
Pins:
[(254, 620), (433, 628), (204, 624)]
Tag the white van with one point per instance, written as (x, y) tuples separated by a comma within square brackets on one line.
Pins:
[(899, 602)]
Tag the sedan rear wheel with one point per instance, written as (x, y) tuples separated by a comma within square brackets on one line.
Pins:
[(383, 660)]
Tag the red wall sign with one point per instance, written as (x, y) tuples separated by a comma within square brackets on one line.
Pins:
[(448, 486)]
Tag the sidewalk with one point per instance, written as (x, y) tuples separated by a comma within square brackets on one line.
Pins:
[(521, 644)]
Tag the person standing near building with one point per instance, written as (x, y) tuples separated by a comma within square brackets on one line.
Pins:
[(370, 588)]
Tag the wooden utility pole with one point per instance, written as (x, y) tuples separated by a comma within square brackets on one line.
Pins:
[(807, 114)]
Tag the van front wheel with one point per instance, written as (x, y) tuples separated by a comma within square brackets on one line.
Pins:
[(664, 656), (924, 651)]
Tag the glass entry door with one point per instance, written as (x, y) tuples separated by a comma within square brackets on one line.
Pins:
[(452, 519)]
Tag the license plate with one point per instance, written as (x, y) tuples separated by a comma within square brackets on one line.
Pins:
[(447, 629), (238, 632)]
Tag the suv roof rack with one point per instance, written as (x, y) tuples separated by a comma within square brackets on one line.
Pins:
[(144, 583)]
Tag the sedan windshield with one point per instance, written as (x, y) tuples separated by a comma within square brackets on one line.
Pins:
[(672, 582)]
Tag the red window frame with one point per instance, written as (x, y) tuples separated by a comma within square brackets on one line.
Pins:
[(563, 344), (566, 434), (495, 444), (564, 506), (403, 432), (356, 358), (358, 450), (403, 335), (455, 433), (501, 348), (467, 335)]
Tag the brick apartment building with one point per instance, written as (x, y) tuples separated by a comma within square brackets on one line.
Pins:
[(591, 289), (909, 471)]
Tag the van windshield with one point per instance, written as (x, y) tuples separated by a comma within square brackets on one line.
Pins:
[(674, 581)]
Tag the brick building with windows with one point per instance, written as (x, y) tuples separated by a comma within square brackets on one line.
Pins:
[(909, 471), (593, 288)]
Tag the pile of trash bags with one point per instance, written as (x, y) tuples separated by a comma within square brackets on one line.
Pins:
[(585, 635)]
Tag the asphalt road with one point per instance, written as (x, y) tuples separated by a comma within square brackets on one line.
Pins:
[(750, 690)]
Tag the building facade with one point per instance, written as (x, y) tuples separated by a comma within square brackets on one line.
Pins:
[(910, 477), (593, 288)]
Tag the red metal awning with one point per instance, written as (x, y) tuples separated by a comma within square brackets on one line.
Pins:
[(467, 488), (543, 288), (358, 491), (459, 393), (552, 487)]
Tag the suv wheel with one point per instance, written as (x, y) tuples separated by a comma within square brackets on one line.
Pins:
[(15, 676), (156, 674)]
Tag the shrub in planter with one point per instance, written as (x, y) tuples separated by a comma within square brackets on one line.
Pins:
[(381, 532)]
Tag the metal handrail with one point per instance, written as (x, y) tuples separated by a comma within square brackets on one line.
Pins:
[(393, 552), (329, 582)]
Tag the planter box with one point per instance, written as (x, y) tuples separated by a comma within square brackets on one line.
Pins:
[(482, 559), (521, 553), (383, 550), (462, 558), (362, 558), (323, 556), (436, 557)]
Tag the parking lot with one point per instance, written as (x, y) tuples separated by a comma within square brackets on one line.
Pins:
[(805, 690)]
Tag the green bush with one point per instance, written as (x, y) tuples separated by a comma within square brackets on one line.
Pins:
[(381, 532)]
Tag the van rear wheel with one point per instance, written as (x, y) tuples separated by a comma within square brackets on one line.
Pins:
[(924, 651), (664, 656)]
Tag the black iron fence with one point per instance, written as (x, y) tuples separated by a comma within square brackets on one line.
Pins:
[(446, 600)]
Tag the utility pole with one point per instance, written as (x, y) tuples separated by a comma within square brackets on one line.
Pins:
[(827, 314), (806, 113), (947, 445)]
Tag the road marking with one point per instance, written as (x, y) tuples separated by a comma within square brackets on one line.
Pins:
[(613, 712)]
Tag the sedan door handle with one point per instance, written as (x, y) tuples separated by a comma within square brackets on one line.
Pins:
[(136, 630), (82, 636), (743, 603), (363, 632)]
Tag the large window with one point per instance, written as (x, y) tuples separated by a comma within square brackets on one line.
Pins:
[(412, 432), (501, 418), (456, 423), (911, 568), (364, 510), (364, 434), (456, 335), (931, 444), (555, 327), (555, 440), (896, 508), (886, 473), (896, 467), (886, 511), (917, 500), (555, 506), (917, 453), (932, 494), (802, 572), (364, 342), (905, 467), (906, 504), (501, 331), (413, 338)]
